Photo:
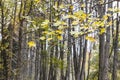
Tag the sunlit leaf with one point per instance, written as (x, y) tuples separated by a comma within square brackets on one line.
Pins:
[(63, 23), (90, 38), (31, 44), (109, 23), (101, 24), (57, 23), (73, 32), (56, 5), (75, 23), (102, 30), (49, 39), (101, 1), (105, 17), (83, 5), (37, 1), (84, 16), (114, 9), (76, 34), (59, 31), (61, 6), (117, 10), (78, 13), (71, 7), (45, 23), (98, 23), (110, 9), (45, 32), (59, 37), (42, 38), (69, 16), (51, 33), (62, 27)]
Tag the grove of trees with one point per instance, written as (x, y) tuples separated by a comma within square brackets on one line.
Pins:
[(59, 39)]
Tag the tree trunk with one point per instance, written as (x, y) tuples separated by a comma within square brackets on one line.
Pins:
[(115, 58)]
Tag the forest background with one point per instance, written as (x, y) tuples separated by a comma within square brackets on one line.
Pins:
[(59, 39)]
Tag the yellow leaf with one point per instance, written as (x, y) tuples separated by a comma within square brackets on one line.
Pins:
[(101, 1), (86, 26), (59, 31), (102, 30), (72, 32), (71, 7), (57, 23), (42, 38), (61, 27), (76, 34), (49, 39), (110, 9), (51, 33), (59, 37), (61, 6), (101, 24), (109, 15), (96, 23), (105, 17), (83, 5), (45, 24), (75, 23), (37, 1), (56, 5), (109, 23), (83, 16), (78, 13), (45, 32), (116, 10), (63, 23), (69, 16), (89, 20), (90, 38), (31, 44)]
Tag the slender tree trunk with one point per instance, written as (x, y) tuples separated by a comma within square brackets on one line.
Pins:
[(69, 49), (3, 52), (107, 49), (82, 75), (19, 56), (115, 58), (102, 61), (62, 57), (6, 45)]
